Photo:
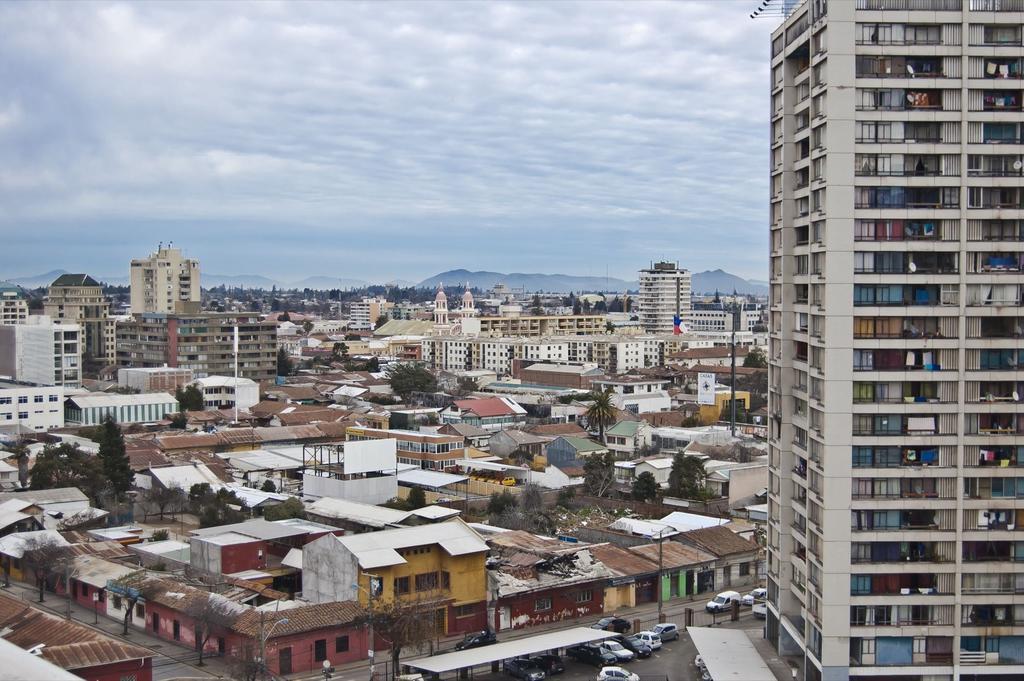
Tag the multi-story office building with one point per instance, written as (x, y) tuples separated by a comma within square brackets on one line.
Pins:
[(78, 299), (664, 294), (31, 406), (165, 282), (203, 343), (364, 314), (13, 306), (42, 352), (897, 224)]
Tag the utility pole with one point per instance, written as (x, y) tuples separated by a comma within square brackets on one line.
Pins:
[(236, 375), (661, 563), (732, 387)]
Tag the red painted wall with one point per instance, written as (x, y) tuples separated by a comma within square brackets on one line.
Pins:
[(303, 649), (238, 557), (563, 605), (141, 670), (85, 599), (467, 623)]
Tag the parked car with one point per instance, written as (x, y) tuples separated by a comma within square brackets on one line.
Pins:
[(524, 669), (621, 652), (754, 596), (760, 610), (650, 638), (551, 664), (723, 601), (639, 648), (616, 674), (590, 654), (666, 631), (616, 624), (476, 639)]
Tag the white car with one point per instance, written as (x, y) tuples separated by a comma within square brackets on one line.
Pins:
[(650, 638), (754, 596), (622, 653), (616, 674)]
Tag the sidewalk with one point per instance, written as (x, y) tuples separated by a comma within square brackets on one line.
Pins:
[(169, 660)]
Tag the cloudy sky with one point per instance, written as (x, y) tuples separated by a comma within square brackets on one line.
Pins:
[(384, 140)]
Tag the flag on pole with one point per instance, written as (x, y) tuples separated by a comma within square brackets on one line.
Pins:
[(676, 325)]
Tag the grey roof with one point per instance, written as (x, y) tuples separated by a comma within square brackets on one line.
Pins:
[(265, 529), (507, 649), (109, 400), (729, 654), (40, 497), (75, 280), (378, 549), (363, 514)]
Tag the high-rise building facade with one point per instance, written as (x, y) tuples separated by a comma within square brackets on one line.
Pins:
[(896, 430), (78, 299), (203, 343), (13, 306), (42, 352), (664, 293), (165, 282)]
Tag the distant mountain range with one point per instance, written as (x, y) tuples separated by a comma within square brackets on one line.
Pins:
[(703, 282)]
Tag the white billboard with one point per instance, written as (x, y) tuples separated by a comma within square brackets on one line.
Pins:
[(705, 388), (370, 456)]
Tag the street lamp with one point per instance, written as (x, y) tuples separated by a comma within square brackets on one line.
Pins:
[(95, 607), (263, 640), (375, 590), (660, 534)]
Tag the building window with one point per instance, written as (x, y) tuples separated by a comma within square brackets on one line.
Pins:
[(320, 650), (117, 602), (446, 580), (140, 611), (744, 569), (464, 610), (176, 630), (426, 581), (341, 644), (542, 604), (401, 586), (584, 596)]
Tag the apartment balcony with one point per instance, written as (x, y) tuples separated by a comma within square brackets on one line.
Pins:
[(898, 360), (993, 424), (914, 132), (1001, 165), (1002, 359), (996, 456), (912, 5), (888, 66), (901, 584), (992, 519), (998, 391), (1001, 100), (991, 650), (994, 295), (993, 488), (910, 328), (905, 295), (997, 5), (974, 583), (901, 552), (899, 520), (899, 99), (995, 327), (911, 392), (893, 262), (910, 198), (998, 132), (902, 488), (992, 551), (996, 35), (897, 457)]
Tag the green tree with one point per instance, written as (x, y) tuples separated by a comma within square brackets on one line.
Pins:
[(340, 352), (408, 378), (599, 474), (307, 327), (500, 502), (190, 398), (159, 535), (381, 321), (417, 498), (687, 478), (21, 454), (65, 465), (284, 317), (645, 487), (268, 486), (284, 363), (290, 508), (113, 458), (756, 358), (537, 308), (601, 412)]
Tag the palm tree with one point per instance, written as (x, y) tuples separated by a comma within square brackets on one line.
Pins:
[(601, 412)]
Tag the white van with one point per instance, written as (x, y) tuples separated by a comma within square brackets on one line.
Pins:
[(723, 601)]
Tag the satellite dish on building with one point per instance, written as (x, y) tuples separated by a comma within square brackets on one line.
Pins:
[(912, 267), (1018, 164)]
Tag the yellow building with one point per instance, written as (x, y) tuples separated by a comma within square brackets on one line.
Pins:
[(712, 413), (441, 565)]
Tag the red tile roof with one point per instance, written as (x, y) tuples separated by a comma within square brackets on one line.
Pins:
[(488, 406), (300, 620)]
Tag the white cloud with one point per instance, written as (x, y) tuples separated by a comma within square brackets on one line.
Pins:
[(579, 124)]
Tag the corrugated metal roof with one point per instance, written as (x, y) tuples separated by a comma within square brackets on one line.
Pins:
[(377, 549), (93, 400), (96, 571), (425, 478), (621, 562), (528, 645), (673, 554), (363, 514)]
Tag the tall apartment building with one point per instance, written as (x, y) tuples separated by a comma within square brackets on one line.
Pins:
[(535, 326), (78, 299), (13, 306), (664, 293), (42, 352), (165, 282), (897, 222), (203, 343), (363, 315)]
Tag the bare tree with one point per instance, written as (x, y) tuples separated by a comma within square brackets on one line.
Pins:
[(404, 623), (245, 665), (46, 557), (163, 499), (209, 612), (133, 588)]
